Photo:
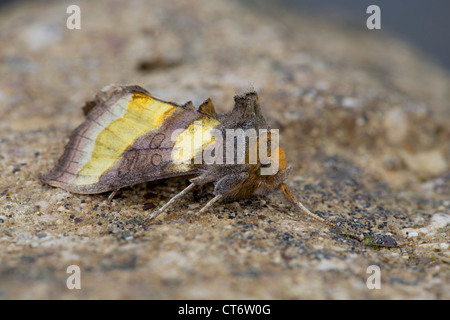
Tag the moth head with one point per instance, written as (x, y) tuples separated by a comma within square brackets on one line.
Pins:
[(267, 183), (270, 158), (271, 169), (275, 165)]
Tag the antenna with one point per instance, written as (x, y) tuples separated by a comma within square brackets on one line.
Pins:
[(293, 199)]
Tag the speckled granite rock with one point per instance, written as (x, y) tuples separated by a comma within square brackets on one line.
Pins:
[(364, 122)]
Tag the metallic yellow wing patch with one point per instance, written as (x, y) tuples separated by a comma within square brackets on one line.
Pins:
[(193, 140), (127, 138), (143, 114)]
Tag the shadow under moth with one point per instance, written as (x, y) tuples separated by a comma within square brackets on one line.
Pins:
[(130, 137)]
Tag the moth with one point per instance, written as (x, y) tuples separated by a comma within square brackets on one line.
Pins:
[(130, 137)]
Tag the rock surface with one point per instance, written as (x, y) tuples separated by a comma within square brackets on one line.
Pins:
[(364, 123)]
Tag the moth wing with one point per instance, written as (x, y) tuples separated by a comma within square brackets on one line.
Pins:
[(207, 107), (125, 140)]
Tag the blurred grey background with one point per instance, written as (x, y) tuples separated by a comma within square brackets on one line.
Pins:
[(424, 23)]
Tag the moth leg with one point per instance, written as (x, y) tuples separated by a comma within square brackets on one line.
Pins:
[(293, 199), (229, 182), (209, 204), (223, 187), (111, 196), (171, 201)]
